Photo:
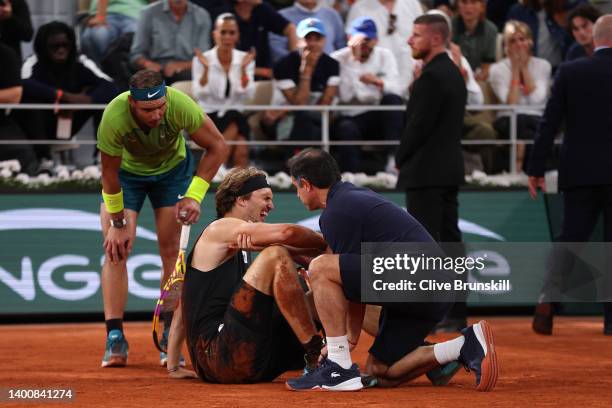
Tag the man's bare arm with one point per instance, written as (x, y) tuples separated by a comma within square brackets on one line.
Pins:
[(328, 95), (208, 137), (261, 234)]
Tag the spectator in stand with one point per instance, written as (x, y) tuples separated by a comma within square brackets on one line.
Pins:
[(225, 76), (256, 20), (15, 24), (475, 35), (394, 20), (10, 92), (368, 76), (58, 74), (302, 9), (214, 7), (581, 21), (109, 20), (604, 6), (547, 22), (341, 6), (168, 32), (280, 4), (497, 11), (520, 79), (304, 77)]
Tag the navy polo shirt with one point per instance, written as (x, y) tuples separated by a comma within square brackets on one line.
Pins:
[(354, 215), (326, 73), (254, 32)]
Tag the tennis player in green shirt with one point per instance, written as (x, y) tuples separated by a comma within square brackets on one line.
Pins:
[(144, 154)]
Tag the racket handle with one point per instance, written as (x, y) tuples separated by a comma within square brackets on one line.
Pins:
[(185, 229)]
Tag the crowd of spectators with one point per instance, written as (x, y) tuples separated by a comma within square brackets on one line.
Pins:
[(283, 52)]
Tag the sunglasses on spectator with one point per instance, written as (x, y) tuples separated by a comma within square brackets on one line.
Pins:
[(227, 32), (57, 46), (392, 23)]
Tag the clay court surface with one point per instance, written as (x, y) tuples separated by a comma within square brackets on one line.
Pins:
[(572, 368)]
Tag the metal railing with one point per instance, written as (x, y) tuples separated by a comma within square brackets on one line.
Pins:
[(326, 110)]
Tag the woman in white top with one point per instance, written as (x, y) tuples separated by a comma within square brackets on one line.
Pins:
[(520, 79), (223, 76)]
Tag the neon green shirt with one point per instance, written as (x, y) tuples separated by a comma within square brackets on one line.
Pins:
[(162, 148)]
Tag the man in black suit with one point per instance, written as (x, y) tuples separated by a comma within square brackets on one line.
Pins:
[(582, 99), (429, 157)]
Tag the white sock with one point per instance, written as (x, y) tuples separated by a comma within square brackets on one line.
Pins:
[(338, 351), (449, 350)]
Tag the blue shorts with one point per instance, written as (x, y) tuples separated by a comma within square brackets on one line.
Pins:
[(163, 189)]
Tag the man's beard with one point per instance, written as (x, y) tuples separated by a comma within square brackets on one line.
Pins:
[(419, 54)]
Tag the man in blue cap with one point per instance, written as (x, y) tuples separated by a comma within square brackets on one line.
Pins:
[(307, 76), (368, 76), (302, 9)]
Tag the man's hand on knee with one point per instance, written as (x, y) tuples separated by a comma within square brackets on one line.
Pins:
[(118, 244)]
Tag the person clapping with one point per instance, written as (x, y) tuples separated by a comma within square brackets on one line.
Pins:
[(224, 76)]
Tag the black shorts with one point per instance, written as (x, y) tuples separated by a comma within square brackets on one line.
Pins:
[(232, 116), (402, 327), (254, 342)]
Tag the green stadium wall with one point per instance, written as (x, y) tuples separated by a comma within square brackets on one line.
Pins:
[(51, 248)]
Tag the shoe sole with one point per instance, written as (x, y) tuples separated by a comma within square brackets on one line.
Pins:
[(115, 361), (354, 384), (489, 368)]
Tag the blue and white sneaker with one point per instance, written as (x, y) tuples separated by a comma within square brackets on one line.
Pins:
[(478, 355), (328, 376), (117, 350)]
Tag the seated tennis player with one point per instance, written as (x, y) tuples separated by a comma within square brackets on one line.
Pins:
[(245, 322)]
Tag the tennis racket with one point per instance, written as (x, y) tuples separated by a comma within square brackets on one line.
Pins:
[(171, 293)]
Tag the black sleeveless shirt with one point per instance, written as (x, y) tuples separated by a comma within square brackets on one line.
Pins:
[(206, 295)]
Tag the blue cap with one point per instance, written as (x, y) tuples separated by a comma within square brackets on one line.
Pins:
[(310, 25), (365, 26)]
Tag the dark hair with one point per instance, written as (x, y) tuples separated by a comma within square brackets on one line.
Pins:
[(550, 6), (315, 165), (584, 10), (227, 192), (146, 78), (435, 22), (483, 14), (42, 37)]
